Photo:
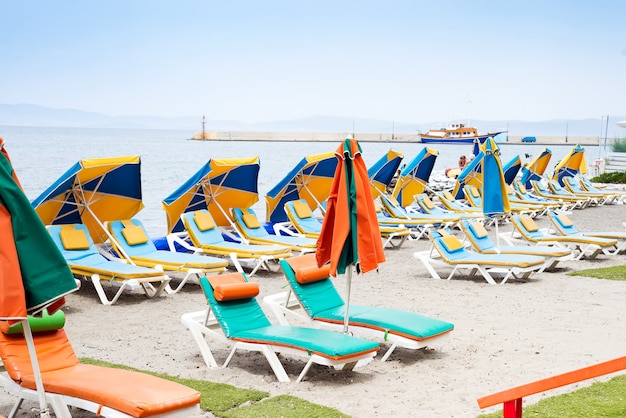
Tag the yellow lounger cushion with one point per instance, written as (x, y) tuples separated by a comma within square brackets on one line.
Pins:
[(204, 221), (251, 221), (474, 191), (529, 224), (452, 243), (565, 221), (479, 229), (74, 239), (302, 210), (134, 235), (428, 203)]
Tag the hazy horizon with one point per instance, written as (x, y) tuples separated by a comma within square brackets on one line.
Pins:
[(254, 62)]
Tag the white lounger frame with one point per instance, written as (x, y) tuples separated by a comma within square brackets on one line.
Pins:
[(203, 324), (182, 239), (430, 259), (144, 283), (283, 306)]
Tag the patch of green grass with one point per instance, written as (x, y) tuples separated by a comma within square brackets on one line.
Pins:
[(609, 273), (284, 406), (614, 178), (600, 400), (224, 400)]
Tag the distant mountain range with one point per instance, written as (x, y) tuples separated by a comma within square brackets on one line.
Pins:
[(33, 115)]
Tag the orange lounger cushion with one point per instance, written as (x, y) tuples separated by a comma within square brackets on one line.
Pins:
[(134, 393)]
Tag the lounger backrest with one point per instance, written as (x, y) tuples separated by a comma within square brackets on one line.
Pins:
[(234, 315), (477, 234), (70, 239), (300, 215), (316, 295), (248, 222), (392, 206), (201, 228), (447, 245), (562, 223), (54, 351), (526, 226), (132, 237)]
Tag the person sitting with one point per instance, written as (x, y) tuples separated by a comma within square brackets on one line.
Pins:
[(462, 162)]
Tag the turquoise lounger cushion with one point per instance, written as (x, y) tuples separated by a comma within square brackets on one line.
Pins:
[(321, 301), (245, 320)]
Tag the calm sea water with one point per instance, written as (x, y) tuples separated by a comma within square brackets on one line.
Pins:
[(168, 158)]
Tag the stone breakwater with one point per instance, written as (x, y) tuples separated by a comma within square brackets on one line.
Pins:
[(365, 137)]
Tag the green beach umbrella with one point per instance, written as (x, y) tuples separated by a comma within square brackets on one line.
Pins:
[(33, 273)]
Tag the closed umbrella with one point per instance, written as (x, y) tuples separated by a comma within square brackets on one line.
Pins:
[(350, 237), (92, 192), (495, 198), (218, 186), (33, 273), (310, 180), (414, 177)]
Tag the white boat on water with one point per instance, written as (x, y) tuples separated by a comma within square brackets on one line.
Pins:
[(455, 133)]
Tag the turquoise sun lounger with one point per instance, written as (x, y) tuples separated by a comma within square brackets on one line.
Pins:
[(234, 316), (318, 298)]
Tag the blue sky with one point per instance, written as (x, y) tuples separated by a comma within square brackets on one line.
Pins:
[(253, 61)]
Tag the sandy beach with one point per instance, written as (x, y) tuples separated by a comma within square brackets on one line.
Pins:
[(505, 335)]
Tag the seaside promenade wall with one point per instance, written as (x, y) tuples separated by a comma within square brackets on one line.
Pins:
[(367, 137)]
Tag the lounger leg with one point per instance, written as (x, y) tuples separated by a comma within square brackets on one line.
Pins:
[(388, 353), (16, 407), (305, 370), (60, 408), (277, 367)]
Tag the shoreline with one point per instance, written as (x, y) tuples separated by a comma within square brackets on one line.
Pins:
[(243, 136)]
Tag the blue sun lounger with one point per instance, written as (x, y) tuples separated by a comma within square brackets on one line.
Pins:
[(478, 237), (452, 253), (251, 230), (586, 247), (83, 258), (302, 219), (234, 316), (130, 241), (564, 226), (203, 236), (318, 298)]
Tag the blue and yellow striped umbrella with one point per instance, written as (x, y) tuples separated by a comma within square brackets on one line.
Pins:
[(571, 165), (310, 180), (383, 171), (511, 169), (91, 192), (219, 186), (414, 177), (534, 169)]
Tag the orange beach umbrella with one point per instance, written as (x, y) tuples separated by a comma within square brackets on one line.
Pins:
[(350, 237)]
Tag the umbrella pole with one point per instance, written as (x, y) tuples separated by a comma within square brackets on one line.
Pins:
[(32, 352), (497, 235), (347, 304)]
